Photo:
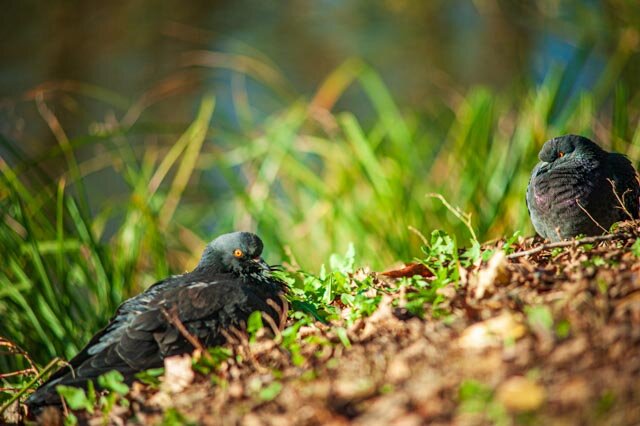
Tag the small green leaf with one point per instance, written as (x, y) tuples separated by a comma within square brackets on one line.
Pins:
[(217, 355), (113, 381), (91, 393), (563, 328), (474, 397), (150, 377), (556, 251), (342, 335), (254, 323), (75, 398), (344, 264), (605, 403), (270, 392), (473, 253), (173, 417), (70, 420), (309, 308)]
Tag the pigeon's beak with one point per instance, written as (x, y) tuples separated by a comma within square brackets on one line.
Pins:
[(261, 263)]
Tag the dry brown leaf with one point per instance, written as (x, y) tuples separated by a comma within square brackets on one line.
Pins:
[(410, 270)]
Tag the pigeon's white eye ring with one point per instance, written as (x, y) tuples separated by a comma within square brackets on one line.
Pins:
[(238, 253)]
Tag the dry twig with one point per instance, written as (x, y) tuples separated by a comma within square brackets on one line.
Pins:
[(281, 310), (591, 217), (54, 362), (15, 349), (619, 198), (173, 319), (571, 243), (272, 324), (464, 217)]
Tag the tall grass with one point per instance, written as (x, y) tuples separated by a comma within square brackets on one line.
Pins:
[(308, 177)]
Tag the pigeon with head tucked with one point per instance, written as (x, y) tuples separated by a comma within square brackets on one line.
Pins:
[(578, 188), (229, 283)]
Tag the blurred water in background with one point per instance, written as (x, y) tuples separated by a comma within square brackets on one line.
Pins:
[(418, 46)]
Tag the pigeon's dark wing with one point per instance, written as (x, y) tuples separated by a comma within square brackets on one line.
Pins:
[(140, 336), (97, 350), (626, 182), (117, 325), (206, 310)]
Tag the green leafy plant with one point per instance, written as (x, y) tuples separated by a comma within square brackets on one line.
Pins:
[(150, 377), (88, 400), (441, 257), (78, 398)]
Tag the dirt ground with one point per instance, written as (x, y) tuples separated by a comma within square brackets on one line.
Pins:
[(549, 338)]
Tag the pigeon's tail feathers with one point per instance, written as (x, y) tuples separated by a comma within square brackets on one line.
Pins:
[(43, 396), (89, 370)]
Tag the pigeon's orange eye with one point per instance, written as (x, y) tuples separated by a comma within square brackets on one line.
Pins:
[(238, 253), (560, 154)]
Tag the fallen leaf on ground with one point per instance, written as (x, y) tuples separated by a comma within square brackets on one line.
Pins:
[(410, 270)]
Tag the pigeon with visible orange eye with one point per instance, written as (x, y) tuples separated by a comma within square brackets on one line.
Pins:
[(578, 188), (229, 283)]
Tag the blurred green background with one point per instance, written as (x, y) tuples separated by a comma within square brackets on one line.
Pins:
[(131, 133)]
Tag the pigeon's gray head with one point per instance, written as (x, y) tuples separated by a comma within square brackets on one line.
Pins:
[(237, 252), (569, 148)]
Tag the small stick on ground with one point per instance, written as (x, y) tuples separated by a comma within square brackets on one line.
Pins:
[(571, 243)]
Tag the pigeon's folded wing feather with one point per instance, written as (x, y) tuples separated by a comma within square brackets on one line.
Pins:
[(229, 302), (116, 346)]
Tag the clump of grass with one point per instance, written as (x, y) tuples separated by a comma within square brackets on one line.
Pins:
[(62, 279)]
